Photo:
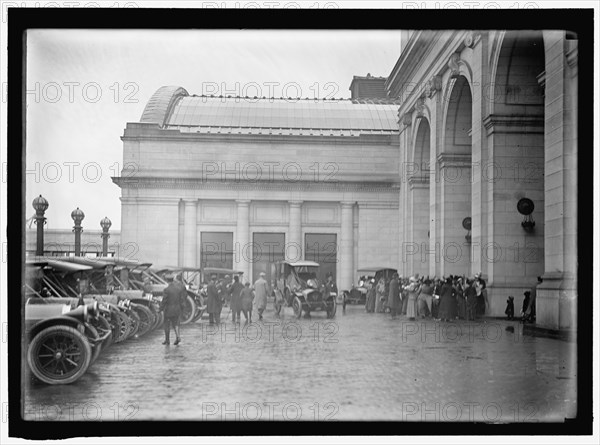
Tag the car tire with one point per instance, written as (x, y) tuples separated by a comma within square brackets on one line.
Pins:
[(146, 319), (74, 360), (124, 323), (190, 310), (134, 321), (332, 308), (297, 307)]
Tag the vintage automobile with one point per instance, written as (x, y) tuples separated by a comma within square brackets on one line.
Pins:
[(296, 285), (62, 343), (358, 293)]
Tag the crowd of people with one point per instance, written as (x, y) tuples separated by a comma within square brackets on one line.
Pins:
[(445, 299), (242, 299)]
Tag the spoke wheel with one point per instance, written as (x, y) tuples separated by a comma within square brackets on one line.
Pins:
[(59, 355), (189, 310), (331, 308), (297, 306), (124, 323), (135, 323), (145, 316)]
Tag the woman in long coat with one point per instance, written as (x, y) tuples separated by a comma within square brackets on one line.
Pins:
[(447, 309), (246, 298), (371, 296), (394, 302), (381, 296), (413, 293)]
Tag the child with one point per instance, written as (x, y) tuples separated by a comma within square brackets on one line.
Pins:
[(510, 308)]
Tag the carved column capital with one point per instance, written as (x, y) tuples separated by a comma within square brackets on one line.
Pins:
[(434, 85), (454, 65)]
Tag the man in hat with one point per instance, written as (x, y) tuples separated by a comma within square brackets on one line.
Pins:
[(213, 306), (235, 292), (261, 292), (172, 305)]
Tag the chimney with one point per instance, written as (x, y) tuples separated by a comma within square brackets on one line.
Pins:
[(368, 87)]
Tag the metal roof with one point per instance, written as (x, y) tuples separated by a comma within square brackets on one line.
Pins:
[(172, 108)]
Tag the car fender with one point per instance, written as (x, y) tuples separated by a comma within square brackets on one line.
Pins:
[(55, 321)]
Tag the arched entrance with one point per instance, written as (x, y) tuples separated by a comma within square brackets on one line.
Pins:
[(454, 164), (515, 170), (418, 195)]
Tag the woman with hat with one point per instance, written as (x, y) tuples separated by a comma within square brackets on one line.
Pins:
[(394, 302), (413, 290), (447, 309)]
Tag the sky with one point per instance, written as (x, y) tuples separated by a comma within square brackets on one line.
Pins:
[(83, 86)]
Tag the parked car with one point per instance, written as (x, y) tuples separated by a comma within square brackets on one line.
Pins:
[(62, 343), (296, 285), (358, 293)]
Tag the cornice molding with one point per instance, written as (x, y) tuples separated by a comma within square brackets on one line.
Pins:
[(458, 160), (418, 181), (202, 184), (498, 123), (151, 132)]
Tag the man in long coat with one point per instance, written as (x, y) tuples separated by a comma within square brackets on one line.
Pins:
[(172, 305), (261, 292), (394, 302), (213, 303), (235, 291)]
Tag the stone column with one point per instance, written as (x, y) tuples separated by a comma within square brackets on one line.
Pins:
[(346, 247), (180, 232), (419, 225), (190, 229), (556, 303), (243, 249), (293, 248)]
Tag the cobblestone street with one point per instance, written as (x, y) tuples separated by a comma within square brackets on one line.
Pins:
[(357, 366)]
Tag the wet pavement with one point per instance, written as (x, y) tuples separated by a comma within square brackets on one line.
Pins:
[(357, 366)]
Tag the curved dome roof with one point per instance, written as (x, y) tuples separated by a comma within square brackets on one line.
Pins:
[(159, 105), (172, 108)]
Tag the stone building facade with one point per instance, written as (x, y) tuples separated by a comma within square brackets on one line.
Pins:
[(487, 119), (243, 182)]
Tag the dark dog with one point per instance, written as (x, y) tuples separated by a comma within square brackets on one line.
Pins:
[(510, 308)]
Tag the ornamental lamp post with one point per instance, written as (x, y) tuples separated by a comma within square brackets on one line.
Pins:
[(77, 216), (40, 205), (105, 223)]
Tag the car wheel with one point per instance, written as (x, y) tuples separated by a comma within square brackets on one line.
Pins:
[(189, 310), (59, 355), (297, 306), (331, 308), (124, 323), (134, 320), (103, 327), (146, 320)]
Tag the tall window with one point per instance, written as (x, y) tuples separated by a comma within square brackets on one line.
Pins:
[(322, 248), (267, 248), (216, 249)]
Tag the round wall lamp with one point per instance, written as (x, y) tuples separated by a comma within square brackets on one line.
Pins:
[(525, 207), (467, 226)]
